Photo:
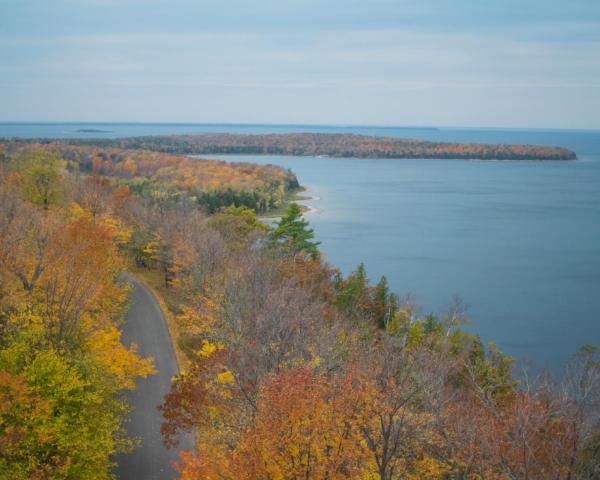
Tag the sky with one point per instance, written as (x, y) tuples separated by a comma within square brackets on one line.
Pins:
[(479, 63)]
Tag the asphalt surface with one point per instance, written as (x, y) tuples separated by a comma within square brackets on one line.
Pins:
[(146, 326)]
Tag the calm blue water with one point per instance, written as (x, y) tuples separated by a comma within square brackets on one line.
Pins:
[(518, 241)]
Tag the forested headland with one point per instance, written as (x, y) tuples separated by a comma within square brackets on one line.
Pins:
[(292, 369), (174, 179), (334, 145)]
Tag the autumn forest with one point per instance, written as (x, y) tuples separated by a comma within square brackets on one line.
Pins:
[(333, 145), (289, 369)]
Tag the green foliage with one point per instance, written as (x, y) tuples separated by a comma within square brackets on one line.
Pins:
[(261, 199), (236, 224), (61, 420), (485, 368), (352, 293), (491, 371), (292, 231), (42, 177), (588, 349), (386, 302), (358, 299), (144, 246)]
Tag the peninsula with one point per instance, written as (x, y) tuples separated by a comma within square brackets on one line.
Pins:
[(334, 145)]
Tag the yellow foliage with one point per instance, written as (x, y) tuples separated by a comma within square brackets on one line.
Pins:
[(315, 361), (192, 322), (209, 348), (119, 362), (428, 468), (121, 234), (76, 211), (225, 377), (151, 248)]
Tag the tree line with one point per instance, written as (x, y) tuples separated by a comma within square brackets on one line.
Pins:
[(334, 145), (175, 179)]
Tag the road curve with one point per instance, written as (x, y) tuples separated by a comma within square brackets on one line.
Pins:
[(146, 326)]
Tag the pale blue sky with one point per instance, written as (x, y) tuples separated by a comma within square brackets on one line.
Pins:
[(505, 63)]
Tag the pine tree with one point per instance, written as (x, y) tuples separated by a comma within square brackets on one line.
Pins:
[(292, 230)]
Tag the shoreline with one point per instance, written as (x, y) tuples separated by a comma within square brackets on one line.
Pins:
[(223, 157), (292, 197), (333, 145)]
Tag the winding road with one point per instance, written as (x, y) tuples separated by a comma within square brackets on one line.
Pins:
[(145, 325)]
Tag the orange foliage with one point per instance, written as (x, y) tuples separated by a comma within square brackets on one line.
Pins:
[(306, 426)]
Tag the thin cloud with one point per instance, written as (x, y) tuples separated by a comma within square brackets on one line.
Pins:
[(383, 62)]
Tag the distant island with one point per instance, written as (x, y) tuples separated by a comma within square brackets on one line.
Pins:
[(91, 130), (334, 145)]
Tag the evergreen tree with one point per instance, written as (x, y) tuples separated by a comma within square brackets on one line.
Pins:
[(292, 231), (382, 302), (353, 298)]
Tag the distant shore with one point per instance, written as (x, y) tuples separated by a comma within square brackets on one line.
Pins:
[(329, 144), (92, 130)]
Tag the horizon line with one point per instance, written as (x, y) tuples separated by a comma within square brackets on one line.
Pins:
[(267, 124)]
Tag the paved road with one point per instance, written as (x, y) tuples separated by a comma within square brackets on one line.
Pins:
[(146, 326)]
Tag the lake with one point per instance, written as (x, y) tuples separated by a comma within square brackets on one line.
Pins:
[(519, 241)]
